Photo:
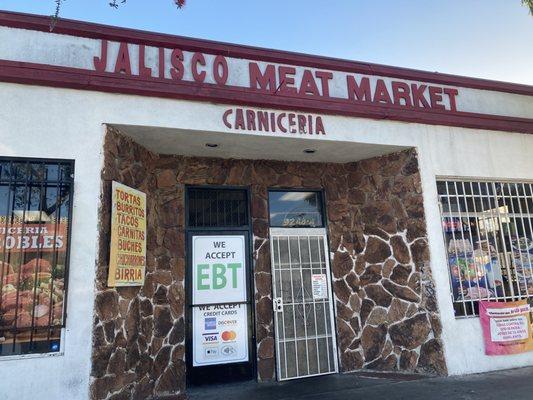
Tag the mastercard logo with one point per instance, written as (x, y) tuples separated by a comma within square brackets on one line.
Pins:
[(229, 335)]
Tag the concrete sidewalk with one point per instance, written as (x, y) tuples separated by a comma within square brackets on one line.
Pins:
[(516, 384)]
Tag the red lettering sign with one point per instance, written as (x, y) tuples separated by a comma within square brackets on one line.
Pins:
[(269, 121), (279, 80)]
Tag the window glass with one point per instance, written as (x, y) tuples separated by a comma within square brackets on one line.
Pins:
[(35, 201), (488, 230), (295, 209)]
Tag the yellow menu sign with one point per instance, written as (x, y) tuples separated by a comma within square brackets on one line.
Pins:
[(127, 259)]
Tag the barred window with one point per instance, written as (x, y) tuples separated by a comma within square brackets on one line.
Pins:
[(35, 208), (211, 208), (488, 229)]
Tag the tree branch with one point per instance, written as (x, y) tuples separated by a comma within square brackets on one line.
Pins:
[(528, 3), (113, 3)]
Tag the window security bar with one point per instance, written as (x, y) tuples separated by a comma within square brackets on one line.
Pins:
[(488, 231), (35, 214)]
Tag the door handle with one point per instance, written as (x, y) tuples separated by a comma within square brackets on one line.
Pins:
[(278, 304)]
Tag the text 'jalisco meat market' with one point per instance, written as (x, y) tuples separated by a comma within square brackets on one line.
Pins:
[(271, 79)]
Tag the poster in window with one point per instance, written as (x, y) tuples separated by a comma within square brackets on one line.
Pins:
[(127, 259), (522, 248), (35, 204), (32, 266), (475, 273), (219, 269), (506, 327), (220, 334)]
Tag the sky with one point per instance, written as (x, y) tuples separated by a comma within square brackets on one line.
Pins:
[(490, 39)]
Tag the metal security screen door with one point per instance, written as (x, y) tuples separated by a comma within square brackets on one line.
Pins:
[(303, 308)]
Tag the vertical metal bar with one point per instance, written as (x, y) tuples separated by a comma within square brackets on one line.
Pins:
[(331, 310), (231, 205), (442, 198), (193, 199), (4, 245), (205, 209), (209, 202), (68, 240), (330, 299), (200, 195), (10, 253), (216, 204), (477, 264), (527, 276), (39, 255), (492, 219), (510, 199), (497, 237), (504, 245), (22, 256), (480, 240), (293, 306), (530, 226), (303, 301), (461, 291), (199, 207), (314, 306), (237, 213), (275, 295), (465, 253), (240, 221), (283, 309), (220, 209), (57, 213)]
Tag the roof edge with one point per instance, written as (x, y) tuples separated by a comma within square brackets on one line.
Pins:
[(120, 34)]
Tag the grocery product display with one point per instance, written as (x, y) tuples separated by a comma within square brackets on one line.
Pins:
[(490, 268)]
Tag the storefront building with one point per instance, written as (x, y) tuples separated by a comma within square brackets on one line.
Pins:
[(264, 215)]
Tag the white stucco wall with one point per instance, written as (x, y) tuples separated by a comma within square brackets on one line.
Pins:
[(62, 123), (78, 52), (466, 154), (43, 124)]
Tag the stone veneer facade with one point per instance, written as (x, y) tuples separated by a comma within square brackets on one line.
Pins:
[(387, 317)]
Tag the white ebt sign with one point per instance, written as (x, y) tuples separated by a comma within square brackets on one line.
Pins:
[(219, 269)]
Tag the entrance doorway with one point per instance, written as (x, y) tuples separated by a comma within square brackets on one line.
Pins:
[(302, 297), (220, 335)]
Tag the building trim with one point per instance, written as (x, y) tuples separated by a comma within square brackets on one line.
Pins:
[(119, 34), (74, 78)]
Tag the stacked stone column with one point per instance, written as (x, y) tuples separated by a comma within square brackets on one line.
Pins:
[(387, 318)]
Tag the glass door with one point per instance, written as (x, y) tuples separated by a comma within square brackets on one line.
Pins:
[(220, 335)]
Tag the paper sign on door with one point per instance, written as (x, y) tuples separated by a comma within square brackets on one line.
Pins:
[(320, 286)]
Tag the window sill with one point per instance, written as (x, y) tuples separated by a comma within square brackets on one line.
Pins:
[(31, 356)]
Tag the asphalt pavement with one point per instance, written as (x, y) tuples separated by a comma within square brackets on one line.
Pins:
[(515, 384)]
